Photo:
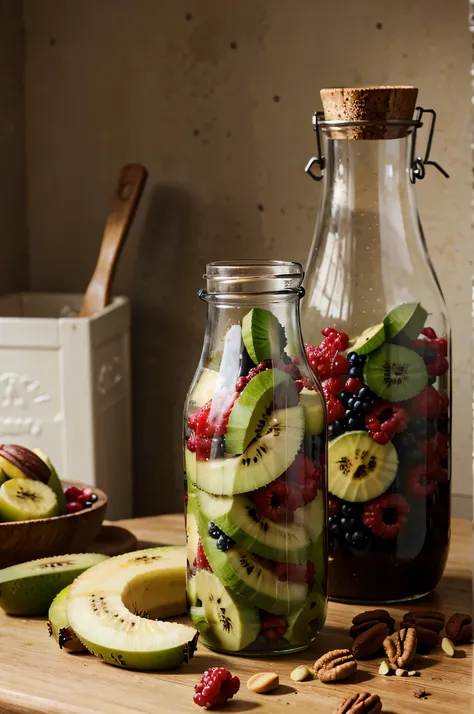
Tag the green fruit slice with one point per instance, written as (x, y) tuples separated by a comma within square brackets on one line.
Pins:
[(251, 579), (314, 412), (263, 335), (59, 626), (408, 318), (369, 340), (395, 373), (111, 609), (359, 469), (23, 499), (267, 457), (192, 536), (54, 481), (228, 624), (205, 388), (30, 588), (305, 624), (250, 408), (191, 592), (238, 518)]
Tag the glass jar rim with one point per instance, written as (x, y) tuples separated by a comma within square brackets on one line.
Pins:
[(253, 276)]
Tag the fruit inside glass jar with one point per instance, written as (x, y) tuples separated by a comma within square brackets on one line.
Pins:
[(255, 496), (388, 456)]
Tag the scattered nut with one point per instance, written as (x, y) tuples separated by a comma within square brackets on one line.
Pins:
[(459, 628), (421, 694), (401, 673), (448, 647), (393, 666), (360, 704), (263, 682), (365, 620), (401, 647), (413, 673), (385, 668), (369, 642), (429, 619), (300, 673), (335, 665)]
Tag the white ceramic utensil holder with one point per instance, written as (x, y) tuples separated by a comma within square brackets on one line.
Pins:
[(65, 387)]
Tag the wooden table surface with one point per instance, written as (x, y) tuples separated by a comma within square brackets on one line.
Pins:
[(35, 676)]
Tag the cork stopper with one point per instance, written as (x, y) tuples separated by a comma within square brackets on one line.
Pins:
[(369, 104)]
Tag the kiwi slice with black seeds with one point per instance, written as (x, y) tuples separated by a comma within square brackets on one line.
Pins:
[(395, 373)]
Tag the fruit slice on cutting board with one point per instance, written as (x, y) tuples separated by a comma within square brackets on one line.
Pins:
[(370, 339), (395, 373), (30, 588), (267, 457), (59, 626), (224, 621), (205, 388), (251, 579), (54, 481), (408, 318), (304, 624), (23, 499), (251, 407), (359, 469), (237, 517), (263, 335), (110, 606)]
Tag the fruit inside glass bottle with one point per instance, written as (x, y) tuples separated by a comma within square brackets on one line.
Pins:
[(256, 500)]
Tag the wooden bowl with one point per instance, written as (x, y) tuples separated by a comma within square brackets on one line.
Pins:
[(73, 533)]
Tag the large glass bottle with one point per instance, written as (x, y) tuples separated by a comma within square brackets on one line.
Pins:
[(255, 464), (377, 324)]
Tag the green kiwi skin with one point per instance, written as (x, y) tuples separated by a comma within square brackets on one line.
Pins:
[(263, 335)]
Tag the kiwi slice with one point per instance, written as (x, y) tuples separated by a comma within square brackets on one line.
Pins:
[(395, 373), (59, 627), (408, 318), (204, 388), (54, 481), (359, 469), (111, 609), (274, 448), (192, 536), (314, 412), (369, 340), (253, 403), (304, 624), (22, 499), (263, 335), (224, 622), (30, 588)]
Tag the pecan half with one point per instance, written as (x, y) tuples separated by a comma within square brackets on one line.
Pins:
[(459, 628), (335, 665), (429, 619), (360, 704), (368, 643), (427, 639), (400, 647), (369, 618), (27, 462)]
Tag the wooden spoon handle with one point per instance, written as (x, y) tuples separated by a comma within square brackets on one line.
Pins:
[(124, 203)]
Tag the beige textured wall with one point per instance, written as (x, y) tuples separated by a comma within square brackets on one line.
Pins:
[(13, 234), (215, 98)]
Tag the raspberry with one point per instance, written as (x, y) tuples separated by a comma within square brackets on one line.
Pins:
[(295, 498), (292, 572), (339, 365), (385, 418), (333, 385), (429, 333), (272, 627), (386, 516), (326, 359), (335, 408), (439, 367), (200, 561), (442, 445), (241, 384), (441, 346), (353, 385), (428, 447), (427, 403), (306, 478), (443, 402), (418, 483), (216, 687), (206, 425), (380, 437), (272, 501)]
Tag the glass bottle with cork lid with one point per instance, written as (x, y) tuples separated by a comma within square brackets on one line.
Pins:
[(378, 336)]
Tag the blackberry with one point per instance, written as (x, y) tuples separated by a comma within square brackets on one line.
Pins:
[(349, 524), (356, 360), (443, 424), (418, 427), (365, 392), (335, 429), (352, 510), (351, 402), (94, 497), (426, 352), (224, 542), (214, 531), (431, 427), (334, 525), (355, 423), (359, 540), (344, 397), (356, 372)]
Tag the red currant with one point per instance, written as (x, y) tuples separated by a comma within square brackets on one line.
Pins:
[(72, 493), (74, 507), (429, 333)]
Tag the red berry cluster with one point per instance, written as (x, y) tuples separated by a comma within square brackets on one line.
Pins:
[(272, 627), (385, 420), (335, 408), (327, 359), (77, 499), (295, 572), (200, 561), (204, 427), (422, 480), (386, 516), (440, 364), (429, 403), (297, 487), (216, 687)]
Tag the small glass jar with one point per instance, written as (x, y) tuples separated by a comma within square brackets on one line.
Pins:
[(384, 354), (255, 465)]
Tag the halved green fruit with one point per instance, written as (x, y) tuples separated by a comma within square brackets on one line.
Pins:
[(205, 388), (109, 608), (359, 469), (263, 335), (252, 579), (304, 624), (30, 588), (54, 481), (395, 373), (369, 340), (314, 412), (408, 318), (24, 499), (59, 626), (266, 458), (238, 518), (250, 408), (225, 622)]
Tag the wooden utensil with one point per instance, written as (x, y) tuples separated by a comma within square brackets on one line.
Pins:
[(124, 203)]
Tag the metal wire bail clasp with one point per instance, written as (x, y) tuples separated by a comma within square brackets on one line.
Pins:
[(417, 163), (319, 159)]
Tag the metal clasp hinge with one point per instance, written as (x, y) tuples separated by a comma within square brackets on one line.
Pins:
[(319, 159), (417, 164)]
